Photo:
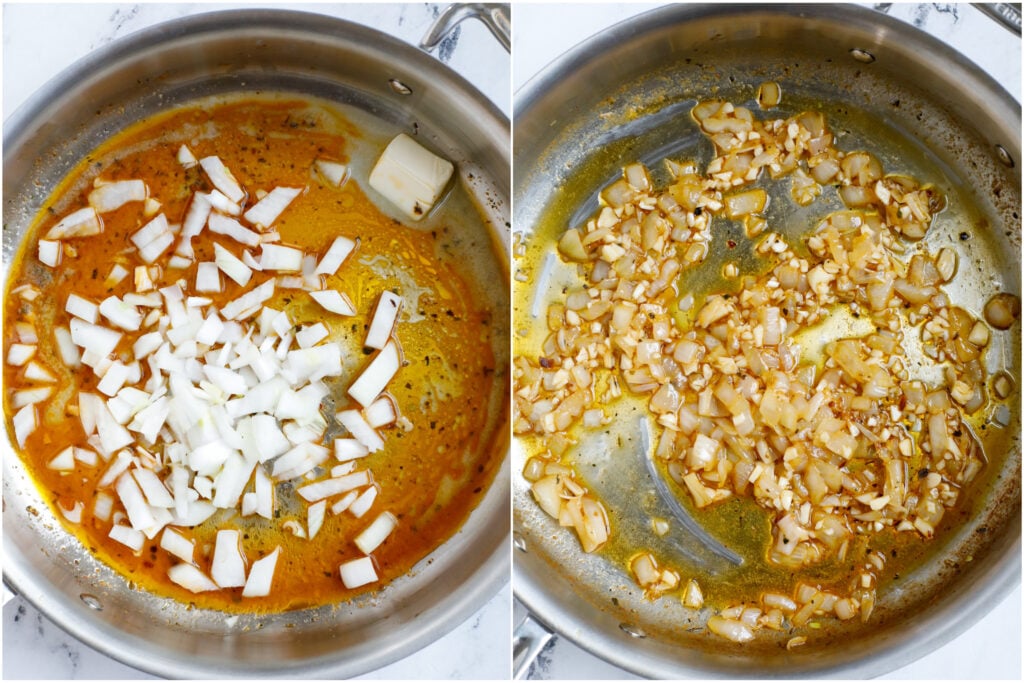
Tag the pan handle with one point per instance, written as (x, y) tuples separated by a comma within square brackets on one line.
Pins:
[(496, 17), (1006, 14), (527, 642)]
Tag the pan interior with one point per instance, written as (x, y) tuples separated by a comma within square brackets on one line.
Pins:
[(585, 140), (303, 55)]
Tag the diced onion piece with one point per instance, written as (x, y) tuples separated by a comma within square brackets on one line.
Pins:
[(311, 335), (114, 195), (334, 301), (126, 535), (232, 267), (384, 318), (299, 460), (248, 303), (94, 338), (186, 158), (377, 374), (731, 629), (155, 491), (64, 461), (357, 426), (27, 397), (279, 258), (344, 502), (123, 315), (349, 449), (116, 275), (264, 492), (333, 172), (220, 202), (19, 354), (339, 250), (222, 178), (25, 422), (177, 545), (68, 351), (228, 565), (410, 176), (153, 238), (187, 576), (49, 253), (361, 505), (81, 223), (225, 225), (81, 307), (74, 515), (267, 210), (208, 277), (372, 536), (34, 372), (139, 513), (332, 487), (356, 573), (315, 517), (314, 363), (381, 412), (261, 576)]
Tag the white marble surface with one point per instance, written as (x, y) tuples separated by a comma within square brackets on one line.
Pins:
[(41, 40), (992, 648)]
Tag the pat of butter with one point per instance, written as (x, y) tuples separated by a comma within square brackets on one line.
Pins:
[(410, 176)]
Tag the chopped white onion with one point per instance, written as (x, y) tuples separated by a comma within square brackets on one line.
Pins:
[(81, 223), (332, 487), (65, 460), (111, 196), (357, 426), (208, 277), (334, 301), (232, 267), (121, 314), (187, 576), (267, 209), (19, 354), (94, 338), (27, 397), (249, 303), (177, 545), (225, 225), (315, 517), (349, 449), (333, 172), (356, 573), (280, 258), (49, 253), (375, 534), (81, 307), (186, 158), (361, 505), (25, 422), (384, 318), (377, 374), (261, 576), (339, 250), (228, 565), (126, 535), (222, 178)]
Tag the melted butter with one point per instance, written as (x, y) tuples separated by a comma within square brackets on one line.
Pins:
[(432, 476)]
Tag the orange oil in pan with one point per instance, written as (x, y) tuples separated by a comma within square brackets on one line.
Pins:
[(430, 477)]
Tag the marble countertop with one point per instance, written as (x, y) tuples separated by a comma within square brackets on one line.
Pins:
[(991, 648), (41, 40)]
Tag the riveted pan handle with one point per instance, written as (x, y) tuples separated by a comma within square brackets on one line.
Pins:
[(1006, 14), (495, 17), (527, 642)]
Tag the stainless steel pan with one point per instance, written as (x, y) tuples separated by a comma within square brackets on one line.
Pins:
[(625, 95), (228, 52)]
